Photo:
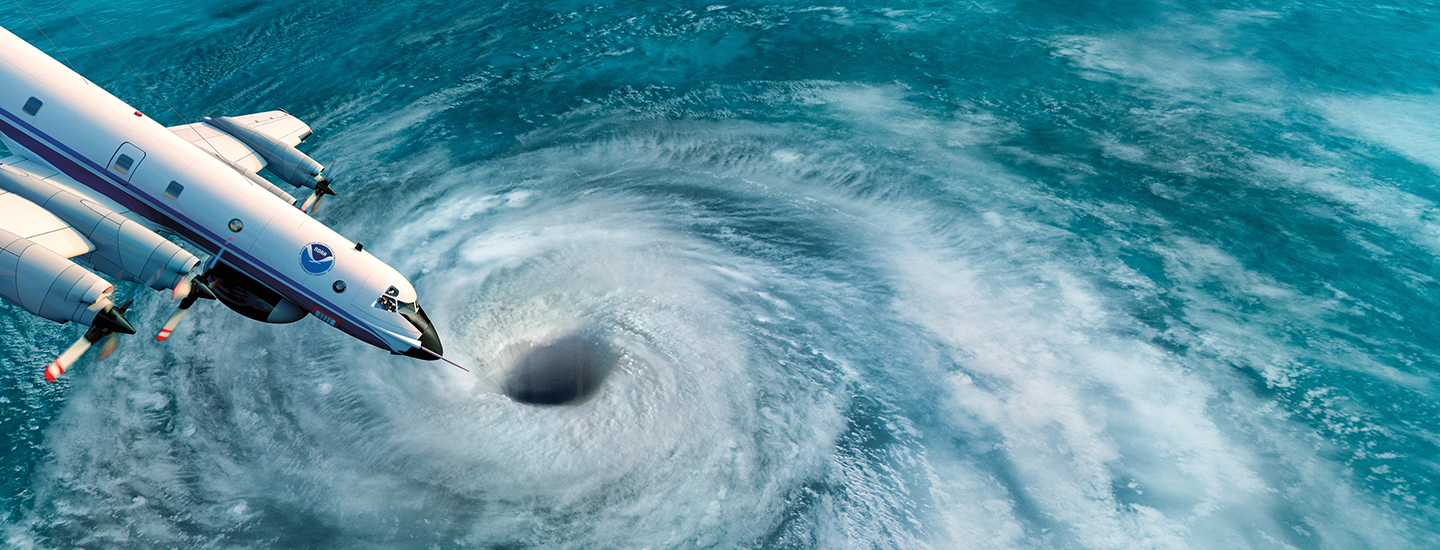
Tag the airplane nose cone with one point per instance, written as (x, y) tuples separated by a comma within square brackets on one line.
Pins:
[(428, 338)]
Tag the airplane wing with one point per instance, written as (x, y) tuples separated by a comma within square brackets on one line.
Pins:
[(220, 144), (29, 220), (278, 125), (16, 166)]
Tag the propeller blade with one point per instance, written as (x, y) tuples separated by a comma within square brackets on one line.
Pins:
[(197, 291), (170, 325), (182, 287), (322, 188), (313, 199), (108, 345), (109, 321), (67, 358)]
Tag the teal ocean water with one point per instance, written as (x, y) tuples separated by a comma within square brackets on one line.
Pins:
[(993, 274)]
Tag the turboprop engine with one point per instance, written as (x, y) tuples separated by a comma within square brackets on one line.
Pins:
[(50, 278), (123, 248), (51, 286), (281, 159)]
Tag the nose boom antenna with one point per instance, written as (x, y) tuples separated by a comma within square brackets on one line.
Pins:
[(443, 358)]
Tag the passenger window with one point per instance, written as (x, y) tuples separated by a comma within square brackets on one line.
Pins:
[(173, 191), (33, 106), (123, 163)]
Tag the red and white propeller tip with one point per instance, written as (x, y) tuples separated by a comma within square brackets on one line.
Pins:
[(313, 199), (170, 325), (193, 291), (67, 358), (108, 324)]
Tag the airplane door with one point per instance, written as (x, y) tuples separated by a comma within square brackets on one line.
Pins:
[(125, 161)]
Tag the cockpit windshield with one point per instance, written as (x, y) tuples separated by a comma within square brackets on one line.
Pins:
[(390, 301)]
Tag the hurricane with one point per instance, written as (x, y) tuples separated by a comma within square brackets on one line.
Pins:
[(1016, 274)]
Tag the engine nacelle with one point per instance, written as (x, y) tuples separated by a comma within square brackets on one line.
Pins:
[(47, 284), (264, 183), (281, 159), (250, 297), (124, 248)]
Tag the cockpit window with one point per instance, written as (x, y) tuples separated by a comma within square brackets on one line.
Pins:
[(390, 301)]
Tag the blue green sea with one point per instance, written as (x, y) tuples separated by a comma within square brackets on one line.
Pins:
[(993, 274)]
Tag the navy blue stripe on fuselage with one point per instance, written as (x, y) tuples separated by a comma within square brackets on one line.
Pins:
[(98, 179)]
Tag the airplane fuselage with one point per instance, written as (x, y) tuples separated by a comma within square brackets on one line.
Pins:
[(52, 114)]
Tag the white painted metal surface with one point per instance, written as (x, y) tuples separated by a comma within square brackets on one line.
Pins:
[(108, 148), (27, 219)]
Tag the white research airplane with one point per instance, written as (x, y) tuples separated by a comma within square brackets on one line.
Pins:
[(90, 179)]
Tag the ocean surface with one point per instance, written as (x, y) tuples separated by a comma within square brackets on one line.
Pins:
[(993, 274)]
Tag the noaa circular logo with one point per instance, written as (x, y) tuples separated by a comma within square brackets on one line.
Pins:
[(317, 258)]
